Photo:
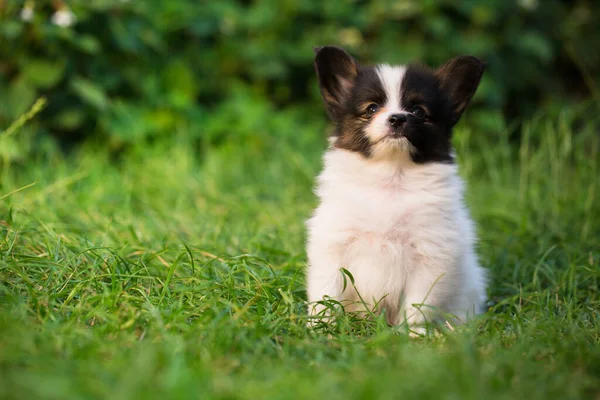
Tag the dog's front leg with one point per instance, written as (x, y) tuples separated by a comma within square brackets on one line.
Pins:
[(324, 281)]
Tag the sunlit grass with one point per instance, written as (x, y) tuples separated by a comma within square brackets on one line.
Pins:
[(174, 272)]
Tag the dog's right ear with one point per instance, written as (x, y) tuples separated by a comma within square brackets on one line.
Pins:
[(337, 72)]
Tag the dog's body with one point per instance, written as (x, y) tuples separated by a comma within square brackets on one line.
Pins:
[(391, 209)]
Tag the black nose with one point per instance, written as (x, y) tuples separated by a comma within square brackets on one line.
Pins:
[(397, 119)]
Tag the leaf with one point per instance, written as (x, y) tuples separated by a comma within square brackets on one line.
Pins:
[(70, 119), (18, 98), (43, 74), (536, 44), (180, 83), (90, 93), (161, 120), (88, 44), (126, 122), (11, 30)]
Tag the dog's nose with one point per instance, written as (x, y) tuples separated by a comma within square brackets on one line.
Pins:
[(397, 119)]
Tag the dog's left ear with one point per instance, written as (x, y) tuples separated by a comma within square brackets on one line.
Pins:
[(459, 77)]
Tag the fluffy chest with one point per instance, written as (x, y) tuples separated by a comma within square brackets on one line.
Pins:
[(380, 211), (385, 222), (384, 214)]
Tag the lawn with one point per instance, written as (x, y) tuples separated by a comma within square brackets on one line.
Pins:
[(176, 270)]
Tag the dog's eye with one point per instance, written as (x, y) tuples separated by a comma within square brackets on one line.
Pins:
[(418, 111), (372, 109)]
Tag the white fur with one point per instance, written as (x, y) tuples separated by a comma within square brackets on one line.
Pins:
[(402, 231), (391, 80)]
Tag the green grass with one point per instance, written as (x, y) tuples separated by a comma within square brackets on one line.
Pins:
[(169, 272)]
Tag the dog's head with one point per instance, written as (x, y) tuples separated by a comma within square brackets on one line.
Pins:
[(383, 111)]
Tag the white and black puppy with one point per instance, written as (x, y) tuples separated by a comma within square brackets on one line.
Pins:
[(391, 207)]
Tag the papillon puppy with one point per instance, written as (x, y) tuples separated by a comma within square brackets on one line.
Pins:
[(391, 208)]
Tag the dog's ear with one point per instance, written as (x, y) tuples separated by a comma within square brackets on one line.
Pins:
[(337, 71), (459, 78)]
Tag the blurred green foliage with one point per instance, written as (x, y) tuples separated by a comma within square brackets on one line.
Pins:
[(129, 70)]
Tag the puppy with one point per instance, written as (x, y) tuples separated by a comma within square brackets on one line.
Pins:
[(391, 206)]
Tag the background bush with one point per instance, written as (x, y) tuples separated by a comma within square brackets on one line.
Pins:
[(131, 70)]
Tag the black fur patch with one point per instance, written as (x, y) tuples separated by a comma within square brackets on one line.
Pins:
[(430, 135), (445, 94)]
